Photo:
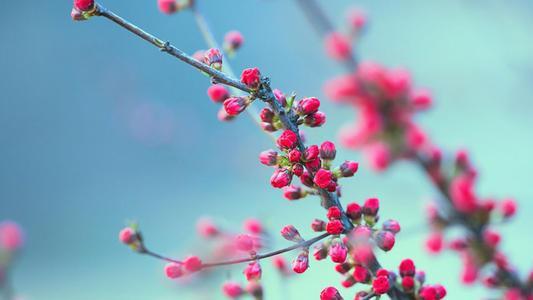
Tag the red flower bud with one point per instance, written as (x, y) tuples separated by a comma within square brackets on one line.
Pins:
[(353, 211), (330, 293), (301, 263), (334, 227), (408, 283), (338, 252), (334, 213), (290, 233), (407, 268), (381, 285), (328, 151), (428, 293), (235, 105), (232, 290), (343, 268), (294, 156), (213, 58), (266, 115), (508, 208), (441, 291), (371, 207), (293, 192), (462, 193), (253, 271), (385, 240), (315, 120), (280, 97), (434, 242), (323, 178), (311, 153), (349, 168), (307, 106), (281, 178), (251, 78), (318, 225), (421, 99), (280, 264), (382, 272), (491, 238), (268, 157), (84, 5), (320, 252), (217, 93), (298, 170), (392, 226), (233, 40), (287, 140), (173, 270), (338, 46), (192, 264), (314, 165), (348, 282), (306, 179), (126, 236), (244, 242), (361, 274)]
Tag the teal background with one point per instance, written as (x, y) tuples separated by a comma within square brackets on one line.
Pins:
[(97, 127)]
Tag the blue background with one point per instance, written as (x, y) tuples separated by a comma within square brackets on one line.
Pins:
[(97, 127)]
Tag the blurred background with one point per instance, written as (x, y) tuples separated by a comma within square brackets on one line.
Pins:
[(97, 128)]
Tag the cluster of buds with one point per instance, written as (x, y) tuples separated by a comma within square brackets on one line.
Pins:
[(312, 166), (386, 104), (11, 241), (306, 111)]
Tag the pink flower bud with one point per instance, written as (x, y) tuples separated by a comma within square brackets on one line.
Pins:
[(266, 115), (298, 170), (314, 165), (385, 240), (421, 99), (328, 151), (343, 268), (348, 168), (281, 178), (251, 78), (428, 293), (168, 6), (217, 93), (462, 194), (280, 264), (434, 242), (206, 228), (307, 106), (223, 116), (356, 19), (268, 157), (126, 236), (233, 40), (213, 58), (363, 254), (338, 46), (320, 252), (173, 270), (379, 156), (301, 263), (244, 242), (381, 285), (292, 192), (408, 283), (192, 264), (315, 120), (290, 233), (353, 211), (280, 97), (392, 226), (338, 252), (361, 274), (84, 5), (491, 238), (407, 268), (232, 290), (311, 153), (235, 105), (253, 271), (508, 208), (334, 213), (253, 226), (287, 140), (330, 293), (371, 207), (323, 178), (318, 225), (306, 179), (334, 227), (294, 156), (11, 236), (441, 291)]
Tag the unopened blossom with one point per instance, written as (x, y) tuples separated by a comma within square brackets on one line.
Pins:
[(338, 252), (508, 208), (173, 270), (213, 58), (491, 238), (268, 157), (11, 236), (232, 290), (314, 165), (353, 211), (217, 93), (280, 264), (421, 99), (330, 293), (328, 151), (315, 120), (292, 192), (318, 225), (320, 252), (126, 235), (251, 78), (290, 233), (462, 194), (407, 268), (356, 19), (392, 226), (84, 5), (434, 242), (307, 106), (361, 274), (244, 242), (301, 263), (235, 105), (253, 226), (381, 285), (281, 178), (266, 115), (338, 46), (294, 156), (385, 240), (253, 271), (311, 153), (408, 283), (287, 140), (371, 207), (323, 178), (348, 168), (334, 227), (192, 264), (334, 213), (167, 6), (233, 40)]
